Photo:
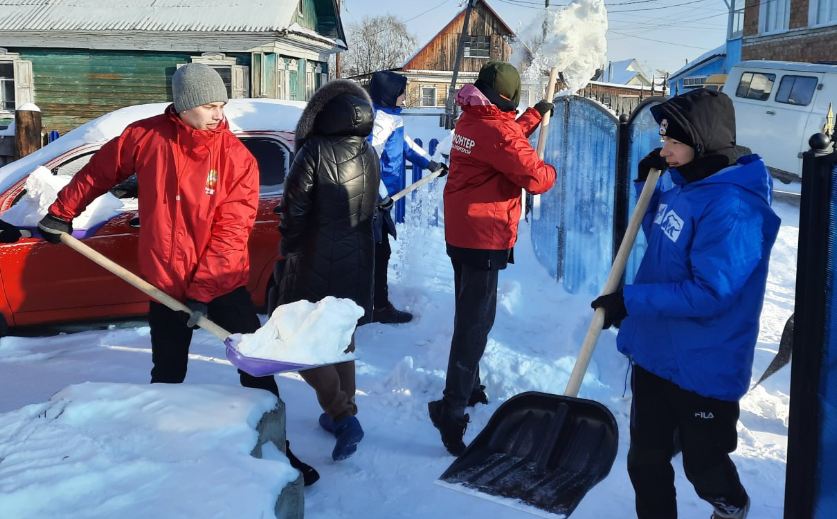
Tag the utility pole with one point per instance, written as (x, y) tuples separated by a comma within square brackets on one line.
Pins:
[(337, 71), (450, 106)]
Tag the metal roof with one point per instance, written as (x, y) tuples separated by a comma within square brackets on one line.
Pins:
[(788, 65), (147, 15)]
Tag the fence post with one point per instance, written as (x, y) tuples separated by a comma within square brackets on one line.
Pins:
[(27, 130), (622, 194), (810, 341)]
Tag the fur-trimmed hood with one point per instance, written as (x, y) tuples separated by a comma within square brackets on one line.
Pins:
[(339, 107)]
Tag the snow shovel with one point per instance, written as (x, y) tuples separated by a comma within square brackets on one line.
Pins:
[(783, 356), (417, 184), (544, 450), (253, 365)]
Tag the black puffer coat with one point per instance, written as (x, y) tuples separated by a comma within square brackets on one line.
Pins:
[(330, 198)]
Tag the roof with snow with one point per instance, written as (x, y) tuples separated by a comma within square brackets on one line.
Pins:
[(622, 72), (700, 60), (147, 15)]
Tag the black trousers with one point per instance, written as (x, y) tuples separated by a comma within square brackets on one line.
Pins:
[(170, 337), (476, 306), (706, 430), (382, 253)]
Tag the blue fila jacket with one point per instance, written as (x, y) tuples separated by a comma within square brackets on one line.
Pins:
[(694, 306), (394, 146)]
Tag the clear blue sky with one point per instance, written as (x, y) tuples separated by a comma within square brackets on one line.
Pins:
[(659, 33)]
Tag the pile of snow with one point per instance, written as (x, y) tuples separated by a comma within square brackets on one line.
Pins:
[(575, 43), (305, 332), (131, 451), (42, 188)]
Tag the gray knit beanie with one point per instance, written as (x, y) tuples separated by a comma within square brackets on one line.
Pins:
[(196, 84)]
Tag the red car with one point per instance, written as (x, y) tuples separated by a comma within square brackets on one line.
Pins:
[(42, 283)]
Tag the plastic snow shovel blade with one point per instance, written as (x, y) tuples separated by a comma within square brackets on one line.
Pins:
[(259, 367), (544, 450)]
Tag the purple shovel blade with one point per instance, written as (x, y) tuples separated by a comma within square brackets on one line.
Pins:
[(256, 366)]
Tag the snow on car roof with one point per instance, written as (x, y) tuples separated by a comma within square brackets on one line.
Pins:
[(242, 114)]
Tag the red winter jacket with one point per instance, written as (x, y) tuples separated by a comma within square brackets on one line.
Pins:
[(490, 161), (198, 195)]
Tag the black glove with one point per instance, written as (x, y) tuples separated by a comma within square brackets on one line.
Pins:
[(614, 307), (444, 170), (386, 203), (544, 106), (52, 227), (198, 310), (649, 162)]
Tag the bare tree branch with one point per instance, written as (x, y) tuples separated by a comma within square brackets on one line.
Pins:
[(377, 43)]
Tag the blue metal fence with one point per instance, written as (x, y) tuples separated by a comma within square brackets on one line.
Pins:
[(573, 224), (826, 504), (811, 481)]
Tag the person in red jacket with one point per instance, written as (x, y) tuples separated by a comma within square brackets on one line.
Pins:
[(199, 192), (491, 161)]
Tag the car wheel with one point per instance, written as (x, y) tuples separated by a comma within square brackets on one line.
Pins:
[(4, 326)]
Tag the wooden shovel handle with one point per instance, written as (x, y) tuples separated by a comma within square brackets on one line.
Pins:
[(550, 94), (612, 283), (415, 185), (139, 283)]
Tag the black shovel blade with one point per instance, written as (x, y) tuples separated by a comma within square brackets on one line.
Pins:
[(545, 450)]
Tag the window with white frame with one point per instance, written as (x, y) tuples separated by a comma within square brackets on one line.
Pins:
[(281, 78), (7, 86), (822, 12), (428, 96), (310, 85), (774, 16), (15, 81), (235, 77)]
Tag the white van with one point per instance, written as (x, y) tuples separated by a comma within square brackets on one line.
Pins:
[(778, 106)]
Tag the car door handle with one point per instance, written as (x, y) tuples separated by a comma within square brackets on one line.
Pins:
[(771, 112)]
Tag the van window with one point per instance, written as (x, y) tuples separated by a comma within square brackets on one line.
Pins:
[(796, 90), (755, 85)]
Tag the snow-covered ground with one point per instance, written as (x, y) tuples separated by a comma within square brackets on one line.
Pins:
[(402, 367)]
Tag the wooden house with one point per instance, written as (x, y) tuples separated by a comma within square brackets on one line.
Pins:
[(78, 60), (430, 70)]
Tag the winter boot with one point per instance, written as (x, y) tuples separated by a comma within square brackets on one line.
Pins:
[(309, 474), (731, 512), (451, 427), (348, 433), (478, 396), (327, 423), (389, 315)]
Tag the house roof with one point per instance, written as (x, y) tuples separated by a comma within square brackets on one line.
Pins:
[(621, 72), (700, 60), (455, 20), (147, 15)]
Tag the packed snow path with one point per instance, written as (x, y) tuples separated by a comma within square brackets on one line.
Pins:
[(401, 367)]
